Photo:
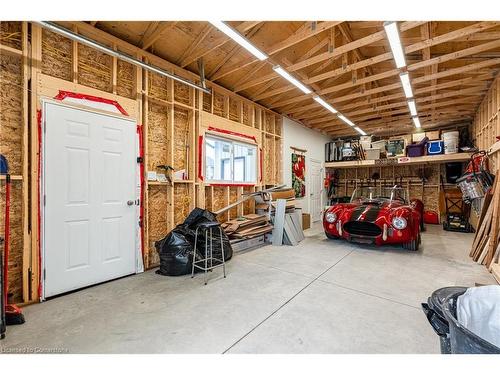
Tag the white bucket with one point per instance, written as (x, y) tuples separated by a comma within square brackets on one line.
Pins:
[(450, 140)]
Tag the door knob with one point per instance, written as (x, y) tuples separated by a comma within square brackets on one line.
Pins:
[(130, 203)]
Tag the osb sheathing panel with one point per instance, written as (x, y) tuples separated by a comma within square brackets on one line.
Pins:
[(208, 198), (11, 34), (181, 137), (11, 129), (246, 114), (249, 204), (94, 68), (278, 126), (234, 113), (269, 122), (278, 159), (158, 136), (182, 201), (158, 87), (207, 102), (182, 93), (57, 55), (15, 261), (219, 107), (233, 197), (125, 79), (431, 198), (157, 219), (219, 201), (268, 160)]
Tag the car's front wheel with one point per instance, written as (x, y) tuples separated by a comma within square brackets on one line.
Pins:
[(331, 236), (413, 245)]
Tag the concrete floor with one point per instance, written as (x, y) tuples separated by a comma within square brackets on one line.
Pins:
[(319, 297)]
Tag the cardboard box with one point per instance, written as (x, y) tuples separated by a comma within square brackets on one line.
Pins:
[(417, 137), (306, 221), (433, 135)]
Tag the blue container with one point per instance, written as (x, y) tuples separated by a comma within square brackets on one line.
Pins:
[(435, 147)]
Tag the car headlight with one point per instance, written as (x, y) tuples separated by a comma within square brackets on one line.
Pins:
[(399, 223), (330, 217)]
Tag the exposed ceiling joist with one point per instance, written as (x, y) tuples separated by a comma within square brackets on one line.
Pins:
[(161, 27)]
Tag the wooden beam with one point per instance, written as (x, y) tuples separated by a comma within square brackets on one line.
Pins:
[(423, 45), (393, 86), (236, 48), (337, 52), (242, 28), (369, 101), (458, 93), (157, 33), (196, 42), (307, 30)]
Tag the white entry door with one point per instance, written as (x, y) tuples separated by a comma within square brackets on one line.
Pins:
[(316, 190), (89, 221)]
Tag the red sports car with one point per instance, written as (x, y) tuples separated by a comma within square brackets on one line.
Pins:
[(378, 216)]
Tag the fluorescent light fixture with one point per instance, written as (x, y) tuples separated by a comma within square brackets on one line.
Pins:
[(359, 130), (282, 72), (240, 39), (391, 29), (405, 81), (416, 121), (346, 120), (413, 108), (325, 104)]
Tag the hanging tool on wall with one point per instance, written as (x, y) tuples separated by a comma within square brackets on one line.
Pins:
[(13, 314)]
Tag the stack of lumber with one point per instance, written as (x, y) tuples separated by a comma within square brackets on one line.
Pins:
[(267, 202), (486, 246), (247, 226)]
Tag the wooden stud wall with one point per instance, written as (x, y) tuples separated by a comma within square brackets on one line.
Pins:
[(170, 114), (14, 145), (486, 124), (485, 129)]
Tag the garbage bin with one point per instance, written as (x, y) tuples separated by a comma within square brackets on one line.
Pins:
[(433, 310), (462, 340), (441, 310)]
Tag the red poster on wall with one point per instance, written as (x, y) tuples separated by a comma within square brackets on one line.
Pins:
[(299, 175)]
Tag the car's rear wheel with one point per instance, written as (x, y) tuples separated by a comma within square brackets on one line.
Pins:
[(331, 236)]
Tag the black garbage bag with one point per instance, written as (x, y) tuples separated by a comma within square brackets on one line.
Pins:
[(176, 254), (188, 228), (189, 231), (177, 248)]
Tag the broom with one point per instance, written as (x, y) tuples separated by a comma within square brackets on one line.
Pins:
[(13, 314)]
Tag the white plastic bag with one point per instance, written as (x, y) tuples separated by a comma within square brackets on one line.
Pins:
[(478, 310)]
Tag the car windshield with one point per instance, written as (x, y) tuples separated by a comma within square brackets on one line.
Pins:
[(370, 193)]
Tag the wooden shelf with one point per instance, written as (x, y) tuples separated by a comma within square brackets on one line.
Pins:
[(12, 177), (183, 181), (464, 156), (159, 183)]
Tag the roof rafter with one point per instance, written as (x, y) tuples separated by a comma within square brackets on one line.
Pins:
[(307, 30)]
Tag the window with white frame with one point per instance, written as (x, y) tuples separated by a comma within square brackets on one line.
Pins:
[(229, 161)]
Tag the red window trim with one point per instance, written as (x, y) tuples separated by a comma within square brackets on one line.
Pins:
[(230, 132)]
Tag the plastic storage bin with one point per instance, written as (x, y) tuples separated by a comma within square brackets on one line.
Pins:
[(435, 147)]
